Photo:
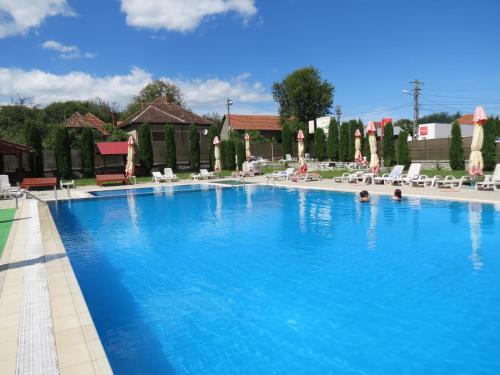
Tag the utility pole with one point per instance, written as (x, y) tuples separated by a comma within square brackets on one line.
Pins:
[(338, 113), (416, 105), (229, 104)]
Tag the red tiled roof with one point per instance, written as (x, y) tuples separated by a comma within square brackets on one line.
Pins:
[(160, 111), (466, 120), (112, 148), (8, 147), (87, 121), (255, 122)]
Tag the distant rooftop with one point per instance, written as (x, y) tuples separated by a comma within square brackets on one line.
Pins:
[(255, 122), (87, 121)]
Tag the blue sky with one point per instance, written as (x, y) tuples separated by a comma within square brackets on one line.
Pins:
[(370, 51)]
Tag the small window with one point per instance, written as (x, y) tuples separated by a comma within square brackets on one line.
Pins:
[(158, 136)]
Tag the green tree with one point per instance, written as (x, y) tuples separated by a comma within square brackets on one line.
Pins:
[(405, 125), (62, 150), (389, 157), (170, 151), (59, 112), (303, 95), (115, 134), (344, 142), (239, 147), (351, 138), (286, 139), (33, 138), (456, 148), (145, 148), (305, 130), (366, 148), (87, 152), (213, 132), (194, 148), (320, 144), (403, 155), (333, 140), (489, 147), (229, 155), (439, 117)]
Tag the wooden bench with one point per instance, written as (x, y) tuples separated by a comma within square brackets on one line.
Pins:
[(101, 179), (39, 182)]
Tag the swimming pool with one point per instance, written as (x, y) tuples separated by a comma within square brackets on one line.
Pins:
[(258, 279)]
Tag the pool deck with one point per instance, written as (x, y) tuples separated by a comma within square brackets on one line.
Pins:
[(45, 324)]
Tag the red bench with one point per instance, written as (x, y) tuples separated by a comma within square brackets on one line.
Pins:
[(101, 179), (39, 182)]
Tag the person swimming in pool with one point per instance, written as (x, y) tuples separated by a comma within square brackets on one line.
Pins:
[(398, 196), (364, 196)]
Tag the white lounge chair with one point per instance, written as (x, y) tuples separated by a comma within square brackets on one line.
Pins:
[(169, 175), (426, 181), (413, 174), (490, 181), (158, 177), (305, 177), (203, 175), (350, 177), (7, 189), (452, 182), (281, 175), (288, 159), (388, 178)]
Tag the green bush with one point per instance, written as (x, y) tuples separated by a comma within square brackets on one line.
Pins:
[(351, 138), (223, 154), (239, 147), (194, 148), (145, 148), (170, 150), (286, 139), (403, 155), (456, 148), (88, 152), (229, 155), (62, 150), (320, 144), (213, 132), (366, 149), (489, 147), (389, 159), (344, 142), (333, 140), (33, 138)]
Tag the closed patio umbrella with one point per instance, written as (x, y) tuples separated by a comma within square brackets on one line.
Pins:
[(130, 167), (217, 166), (300, 149), (476, 158), (248, 154), (372, 140), (358, 157)]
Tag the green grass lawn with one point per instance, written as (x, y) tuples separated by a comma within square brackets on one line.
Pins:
[(6, 219)]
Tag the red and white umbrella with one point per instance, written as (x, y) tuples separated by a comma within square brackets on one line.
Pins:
[(301, 149), (358, 157), (372, 140), (217, 166), (130, 167), (248, 154), (476, 157)]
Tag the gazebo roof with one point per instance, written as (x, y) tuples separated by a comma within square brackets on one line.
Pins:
[(112, 148), (8, 147)]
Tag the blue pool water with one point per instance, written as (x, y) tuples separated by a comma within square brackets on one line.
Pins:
[(259, 280)]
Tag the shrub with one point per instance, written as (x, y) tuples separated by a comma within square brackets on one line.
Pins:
[(403, 156), (145, 148), (229, 155), (333, 140), (223, 154), (239, 147), (489, 147), (366, 148), (213, 131), (194, 148), (320, 144), (170, 150), (286, 136), (389, 159), (62, 150), (456, 148), (344, 142), (33, 138), (88, 152), (351, 138)]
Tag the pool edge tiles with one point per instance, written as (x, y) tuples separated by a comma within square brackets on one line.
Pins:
[(77, 346)]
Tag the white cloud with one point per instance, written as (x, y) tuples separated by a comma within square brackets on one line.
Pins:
[(67, 52), (185, 15), (18, 16), (202, 95)]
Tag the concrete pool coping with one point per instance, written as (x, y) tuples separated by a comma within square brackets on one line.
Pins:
[(77, 345)]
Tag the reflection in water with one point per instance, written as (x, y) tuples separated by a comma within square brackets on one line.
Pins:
[(372, 238), (250, 190), (302, 209), (132, 208), (475, 234), (218, 200)]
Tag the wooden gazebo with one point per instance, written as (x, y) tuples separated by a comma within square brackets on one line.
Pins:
[(16, 149)]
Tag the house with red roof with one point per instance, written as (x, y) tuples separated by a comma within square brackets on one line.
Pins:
[(267, 125)]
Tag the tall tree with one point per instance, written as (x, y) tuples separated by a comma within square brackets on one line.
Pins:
[(145, 148), (333, 140), (239, 147), (389, 158), (62, 150), (403, 156), (320, 144), (33, 138), (489, 145), (303, 95), (439, 117), (213, 132), (405, 125), (351, 138), (286, 139), (457, 161), (87, 151), (366, 148), (344, 142), (170, 150), (194, 148), (229, 155)]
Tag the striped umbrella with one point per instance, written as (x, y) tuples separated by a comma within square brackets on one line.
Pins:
[(248, 154), (217, 166), (300, 151), (130, 167), (358, 157), (476, 158), (372, 140)]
